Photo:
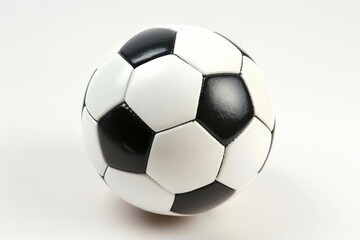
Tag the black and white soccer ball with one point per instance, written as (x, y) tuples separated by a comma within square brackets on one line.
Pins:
[(177, 120)]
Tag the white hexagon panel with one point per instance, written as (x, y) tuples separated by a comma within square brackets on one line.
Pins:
[(91, 140), (207, 51), (168, 87), (255, 82), (184, 158), (108, 86), (245, 156), (139, 190)]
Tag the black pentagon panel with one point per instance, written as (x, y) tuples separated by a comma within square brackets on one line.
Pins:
[(125, 139), (271, 144), (225, 107), (148, 45), (202, 199), (240, 49)]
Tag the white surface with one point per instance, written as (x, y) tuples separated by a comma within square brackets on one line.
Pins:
[(193, 44), (91, 141), (139, 190), (259, 93), (168, 86), (245, 155), (195, 164), (309, 52), (108, 86)]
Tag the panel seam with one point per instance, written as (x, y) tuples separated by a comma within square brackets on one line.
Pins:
[(270, 148), (264, 123), (87, 110)]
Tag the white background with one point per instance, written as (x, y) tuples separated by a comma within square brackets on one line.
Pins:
[(309, 51)]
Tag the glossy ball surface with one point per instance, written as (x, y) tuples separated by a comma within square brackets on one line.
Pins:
[(178, 120)]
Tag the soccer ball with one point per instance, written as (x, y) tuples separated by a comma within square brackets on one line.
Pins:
[(177, 120)]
